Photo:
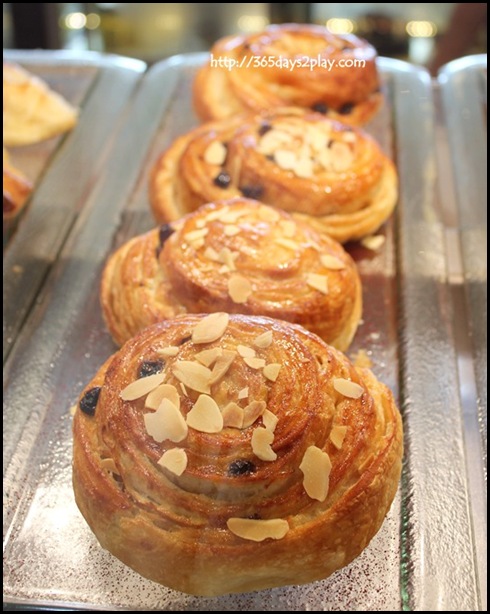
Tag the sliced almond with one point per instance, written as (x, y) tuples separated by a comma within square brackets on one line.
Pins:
[(211, 254), (239, 288), (264, 340), (183, 388), (215, 153), (270, 420), (316, 467), (261, 444), (141, 386), (205, 416), (317, 139), (254, 363), (288, 228), (164, 391), (243, 393), (304, 168), (195, 235), (287, 243), (271, 371), (232, 415), (166, 423), (268, 214), (341, 156), (174, 460), (272, 140), (258, 530), (337, 435), (252, 412), (109, 465), (347, 388), (331, 262), (373, 242), (193, 375), (208, 357), (231, 230), (324, 158), (319, 282), (245, 351), (230, 216), (222, 364), (227, 257), (285, 159), (210, 328), (170, 350), (349, 137)]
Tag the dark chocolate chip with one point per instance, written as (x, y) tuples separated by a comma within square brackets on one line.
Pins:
[(241, 467), (222, 180), (252, 191), (320, 107), (346, 108), (164, 233), (264, 128), (150, 367), (89, 401)]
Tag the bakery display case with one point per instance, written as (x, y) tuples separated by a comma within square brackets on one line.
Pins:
[(423, 332)]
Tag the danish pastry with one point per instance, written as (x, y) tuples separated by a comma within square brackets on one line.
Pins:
[(228, 453), (16, 188), (334, 176), (32, 111), (238, 256), (290, 65)]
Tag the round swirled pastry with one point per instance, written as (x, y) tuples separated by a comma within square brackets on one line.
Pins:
[(290, 65), (238, 256), (330, 174), (226, 453)]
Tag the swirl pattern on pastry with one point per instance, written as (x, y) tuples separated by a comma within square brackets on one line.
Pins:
[(335, 176), (227, 453), (238, 256), (290, 65)]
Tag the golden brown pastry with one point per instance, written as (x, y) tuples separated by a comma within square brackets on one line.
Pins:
[(238, 256), (16, 188), (290, 65), (335, 177), (32, 111), (225, 454)]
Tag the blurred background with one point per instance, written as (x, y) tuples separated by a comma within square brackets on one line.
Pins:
[(425, 34)]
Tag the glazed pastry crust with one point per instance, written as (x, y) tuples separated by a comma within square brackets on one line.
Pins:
[(32, 111), (145, 281), (174, 529), (334, 176), (290, 65)]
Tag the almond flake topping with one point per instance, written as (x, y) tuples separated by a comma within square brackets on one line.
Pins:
[(243, 393), (285, 159), (287, 243), (258, 530), (342, 157), (166, 423), (319, 282), (254, 363), (215, 153), (164, 391), (264, 340), (272, 140), (205, 416), (252, 412), (195, 235), (193, 375), (331, 262), (337, 435), (261, 444), (231, 230), (349, 137), (222, 364), (109, 465), (227, 257), (268, 214), (170, 350), (208, 357), (210, 328), (373, 242), (232, 415), (211, 254), (175, 460), (304, 168), (270, 420), (347, 388), (245, 351), (316, 467), (239, 288), (141, 386), (288, 228), (230, 216), (271, 371)]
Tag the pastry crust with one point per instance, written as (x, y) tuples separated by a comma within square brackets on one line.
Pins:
[(174, 528), (219, 250), (332, 175), (32, 111), (16, 189), (290, 65)]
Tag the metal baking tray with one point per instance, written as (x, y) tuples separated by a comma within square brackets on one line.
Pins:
[(62, 169), (427, 555)]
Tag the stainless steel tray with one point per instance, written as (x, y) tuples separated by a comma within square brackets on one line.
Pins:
[(63, 169), (427, 555)]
